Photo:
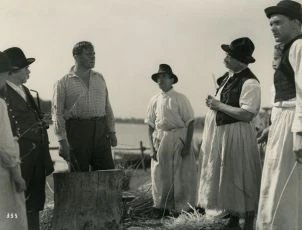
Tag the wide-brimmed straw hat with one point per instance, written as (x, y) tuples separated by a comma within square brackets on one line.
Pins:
[(166, 69), (17, 57), (290, 9), (241, 49)]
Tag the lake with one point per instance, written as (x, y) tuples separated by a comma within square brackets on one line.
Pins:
[(128, 135)]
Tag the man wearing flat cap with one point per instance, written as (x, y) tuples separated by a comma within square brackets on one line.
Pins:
[(280, 204), (30, 129), (173, 169)]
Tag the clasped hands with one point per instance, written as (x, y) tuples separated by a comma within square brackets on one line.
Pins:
[(212, 103)]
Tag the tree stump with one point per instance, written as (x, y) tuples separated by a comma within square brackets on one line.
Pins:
[(87, 200)]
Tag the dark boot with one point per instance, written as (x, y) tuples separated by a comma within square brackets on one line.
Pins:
[(33, 220), (249, 221), (233, 223)]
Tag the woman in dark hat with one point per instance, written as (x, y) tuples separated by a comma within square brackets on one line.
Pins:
[(12, 201), (230, 172)]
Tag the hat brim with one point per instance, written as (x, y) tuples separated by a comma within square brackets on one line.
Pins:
[(25, 64), (273, 10), (155, 76), (29, 61), (226, 48)]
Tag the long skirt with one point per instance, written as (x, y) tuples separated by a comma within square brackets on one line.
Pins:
[(12, 204), (280, 204), (174, 178), (231, 168)]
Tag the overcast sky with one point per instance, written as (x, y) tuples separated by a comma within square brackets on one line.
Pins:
[(132, 37)]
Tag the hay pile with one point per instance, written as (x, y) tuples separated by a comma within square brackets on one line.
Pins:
[(194, 221)]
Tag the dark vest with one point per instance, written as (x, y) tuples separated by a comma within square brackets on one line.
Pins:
[(284, 77), (230, 94), (26, 123), (25, 117)]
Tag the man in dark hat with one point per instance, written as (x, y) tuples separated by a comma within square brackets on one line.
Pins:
[(231, 171), (28, 125), (83, 117), (280, 205), (173, 169)]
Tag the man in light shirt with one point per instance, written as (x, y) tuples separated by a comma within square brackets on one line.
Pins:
[(280, 204), (83, 117), (29, 127), (170, 120)]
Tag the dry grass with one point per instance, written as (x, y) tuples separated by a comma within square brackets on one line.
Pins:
[(137, 213), (194, 221)]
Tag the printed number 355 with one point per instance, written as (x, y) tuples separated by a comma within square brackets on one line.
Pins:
[(11, 215)]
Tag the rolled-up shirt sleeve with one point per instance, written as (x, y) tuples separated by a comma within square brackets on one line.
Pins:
[(58, 102), (295, 54), (250, 97), (109, 115)]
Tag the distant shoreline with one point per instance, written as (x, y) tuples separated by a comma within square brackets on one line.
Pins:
[(199, 121)]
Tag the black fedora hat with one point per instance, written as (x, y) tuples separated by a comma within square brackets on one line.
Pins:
[(17, 57), (5, 65), (164, 68), (241, 49), (290, 9)]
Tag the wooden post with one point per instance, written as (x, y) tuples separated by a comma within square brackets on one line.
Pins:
[(88, 200), (142, 154)]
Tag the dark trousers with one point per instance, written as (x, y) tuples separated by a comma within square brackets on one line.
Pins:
[(89, 144), (33, 172)]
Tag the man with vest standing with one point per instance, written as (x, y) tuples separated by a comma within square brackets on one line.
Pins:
[(280, 205), (30, 129)]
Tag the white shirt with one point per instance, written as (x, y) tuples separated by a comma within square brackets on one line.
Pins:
[(295, 56), (72, 98), (169, 110)]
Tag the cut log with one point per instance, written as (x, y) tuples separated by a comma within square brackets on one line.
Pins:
[(88, 200)]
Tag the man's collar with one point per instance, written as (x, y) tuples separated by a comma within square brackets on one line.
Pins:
[(73, 74), (14, 85), (232, 73), (168, 92)]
